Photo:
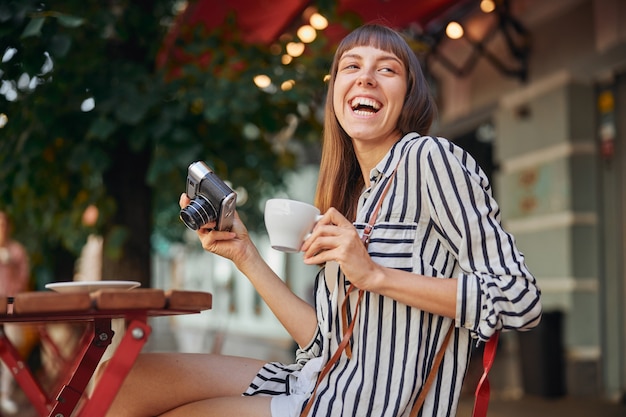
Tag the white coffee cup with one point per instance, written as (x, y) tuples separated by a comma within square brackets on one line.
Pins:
[(288, 222)]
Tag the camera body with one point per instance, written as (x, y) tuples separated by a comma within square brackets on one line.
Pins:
[(211, 199)]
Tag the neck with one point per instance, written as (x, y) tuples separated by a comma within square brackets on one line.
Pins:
[(369, 155), (367, 162)]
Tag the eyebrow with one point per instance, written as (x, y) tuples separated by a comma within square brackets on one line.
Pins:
[(387, 57)]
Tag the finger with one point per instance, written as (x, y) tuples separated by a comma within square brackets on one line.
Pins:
[(318, 258), (319, 230), (209, 227), (205, 229), (322, 243), (184, 200), (344, 232), (333, 216), (207, 232), (211, 238)]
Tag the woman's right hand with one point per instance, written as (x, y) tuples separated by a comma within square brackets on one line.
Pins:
[(235, 245)]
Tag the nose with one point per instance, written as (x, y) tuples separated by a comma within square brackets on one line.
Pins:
[(366, 79)]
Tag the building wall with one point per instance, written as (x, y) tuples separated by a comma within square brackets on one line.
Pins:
[(548, 192), (548, 176)]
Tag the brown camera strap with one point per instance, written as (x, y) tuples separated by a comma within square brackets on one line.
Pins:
[(348, 328), (432, 374)]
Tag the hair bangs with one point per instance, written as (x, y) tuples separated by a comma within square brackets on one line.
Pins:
[(379, 37)]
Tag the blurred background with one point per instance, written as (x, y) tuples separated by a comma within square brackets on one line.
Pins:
[(103, 105)]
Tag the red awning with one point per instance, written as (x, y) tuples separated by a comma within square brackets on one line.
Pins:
[(264, 21), (398, 13), (259, 21)]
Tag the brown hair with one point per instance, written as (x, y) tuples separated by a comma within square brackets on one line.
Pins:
[(340, 181)]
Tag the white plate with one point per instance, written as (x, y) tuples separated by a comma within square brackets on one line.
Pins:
[(90, 286)]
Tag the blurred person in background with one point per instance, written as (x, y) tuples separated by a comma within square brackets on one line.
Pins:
[(14, 278)]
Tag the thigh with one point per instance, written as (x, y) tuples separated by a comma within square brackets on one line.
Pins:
[(256, 406), (159, 382)]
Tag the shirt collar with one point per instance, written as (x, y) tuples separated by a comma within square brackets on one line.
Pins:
[(388, 164)]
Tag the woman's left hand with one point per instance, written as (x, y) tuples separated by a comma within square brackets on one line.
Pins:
[(335, 238)]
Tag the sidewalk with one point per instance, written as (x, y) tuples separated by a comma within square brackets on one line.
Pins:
[(509, 400), (541, 407), (525, 407)]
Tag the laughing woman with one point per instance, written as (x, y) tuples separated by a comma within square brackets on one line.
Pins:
[(414, 261)]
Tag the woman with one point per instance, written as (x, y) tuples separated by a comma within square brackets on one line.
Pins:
[(437, 259)]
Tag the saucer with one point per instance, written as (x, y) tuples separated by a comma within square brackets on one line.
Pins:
[(91, 286)]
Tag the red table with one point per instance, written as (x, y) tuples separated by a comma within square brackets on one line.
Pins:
[(97, 309)]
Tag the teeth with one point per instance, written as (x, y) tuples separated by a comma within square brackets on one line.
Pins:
[(362, 101)]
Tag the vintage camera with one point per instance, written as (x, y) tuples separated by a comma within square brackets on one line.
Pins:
[(211, 199)]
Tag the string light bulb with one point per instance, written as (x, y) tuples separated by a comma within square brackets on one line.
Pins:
[(454, 30), (287, 85), (307, 33), (295, 49), (318, 21), (262, 81), (487, 6)]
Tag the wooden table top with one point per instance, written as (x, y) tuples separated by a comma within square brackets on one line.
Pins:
[(52, 306)]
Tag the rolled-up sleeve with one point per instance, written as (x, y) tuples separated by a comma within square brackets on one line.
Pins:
[(310, 351), (483, 306), (495, 291)]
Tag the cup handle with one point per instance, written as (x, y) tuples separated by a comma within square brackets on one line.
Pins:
[(317, 219)]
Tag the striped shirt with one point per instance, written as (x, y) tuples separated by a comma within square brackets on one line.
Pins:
[(438, 219)]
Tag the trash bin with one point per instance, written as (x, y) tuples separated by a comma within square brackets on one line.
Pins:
[(542, 357)]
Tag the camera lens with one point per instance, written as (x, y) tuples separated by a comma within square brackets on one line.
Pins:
[(198, 213)]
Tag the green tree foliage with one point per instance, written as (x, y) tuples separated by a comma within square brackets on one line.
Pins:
[(89, 118)]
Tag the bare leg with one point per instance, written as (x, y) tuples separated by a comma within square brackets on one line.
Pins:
[(257, 406), (162, 382)]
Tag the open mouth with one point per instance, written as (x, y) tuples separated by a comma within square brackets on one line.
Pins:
[(365, 106)]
